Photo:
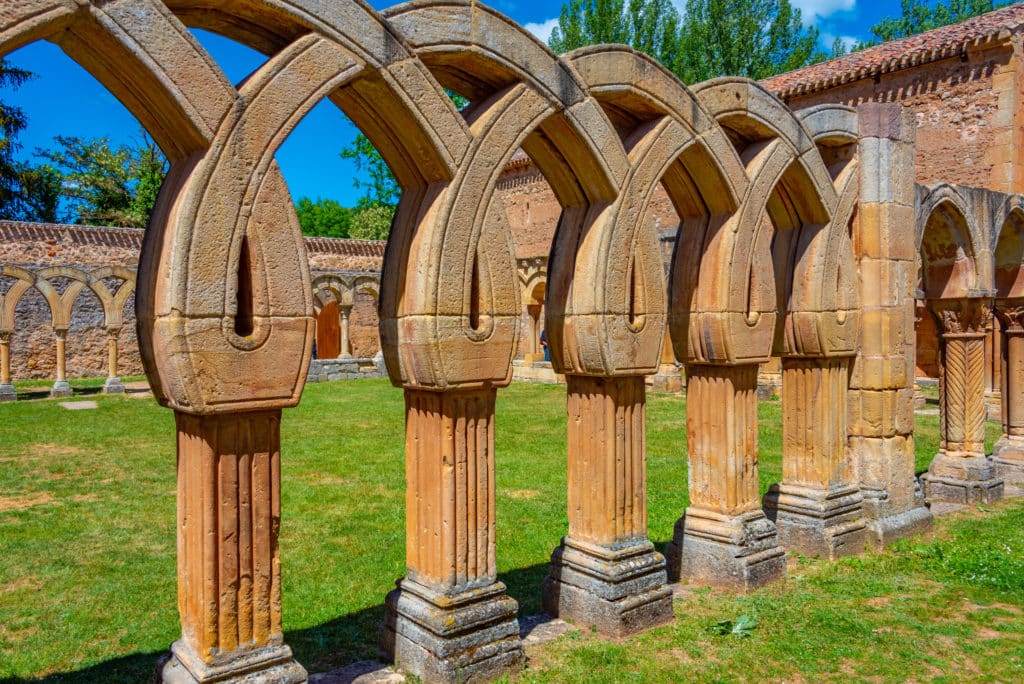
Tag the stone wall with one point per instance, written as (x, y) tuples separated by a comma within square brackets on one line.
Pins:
[(37, 246), (967, 114)]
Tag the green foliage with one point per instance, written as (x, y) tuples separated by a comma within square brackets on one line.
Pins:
[(108, 186), (12, 122), (917, 16), (742, 627), (323, 218), (371, 222), (753, 38)]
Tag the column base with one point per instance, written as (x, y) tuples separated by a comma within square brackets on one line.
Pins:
[(268, 665), (952, 478), (740, 551), (617, 590), (61, 389), (1008, 458), (113, 386), (7, 392), (828, 523), (469, 637)]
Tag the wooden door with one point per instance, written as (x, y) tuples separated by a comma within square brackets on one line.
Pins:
[(328, 332)]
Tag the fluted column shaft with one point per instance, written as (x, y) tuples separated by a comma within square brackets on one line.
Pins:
[(724, 537), (1008, 453), (450, 608), (960, 473), (606, 573), (229, 564), (818, 507)]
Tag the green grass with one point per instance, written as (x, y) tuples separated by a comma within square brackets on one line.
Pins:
[(87, 548)]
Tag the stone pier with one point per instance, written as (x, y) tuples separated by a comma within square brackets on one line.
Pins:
[(724, 538), (606, 574)]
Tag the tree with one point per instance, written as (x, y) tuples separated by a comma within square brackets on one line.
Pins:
[(12, 122), (651, 26), (917, 16), (372, 222), (753, 38), (323, 218), (105, 185)]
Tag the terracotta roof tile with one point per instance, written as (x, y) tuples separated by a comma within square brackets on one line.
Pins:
[(904, 53)]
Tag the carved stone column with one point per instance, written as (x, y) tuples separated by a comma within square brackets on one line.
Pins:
[(960, 472), (61, 388), (818, 508), (1008, 452), (7, 392), (724, 538), (606, 573), (450, 615), (533, 314), (229, 566), (993, 360), (669, 377), (113, 385), (346, 345)]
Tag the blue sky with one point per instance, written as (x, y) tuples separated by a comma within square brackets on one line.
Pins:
[(66, 100)]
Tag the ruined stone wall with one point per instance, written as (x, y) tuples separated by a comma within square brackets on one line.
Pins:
[(38, 246), (966, 113)]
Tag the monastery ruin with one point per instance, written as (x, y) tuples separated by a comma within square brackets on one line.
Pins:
[(814, 221)]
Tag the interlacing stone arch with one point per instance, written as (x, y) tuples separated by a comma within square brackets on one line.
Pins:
[(226, 304)]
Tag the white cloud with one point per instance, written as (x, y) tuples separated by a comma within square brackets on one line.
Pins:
[(542, 29), (810, 9)]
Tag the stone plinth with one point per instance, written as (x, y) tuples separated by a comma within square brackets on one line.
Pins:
[(960, 472), (229, 564), (606, 574), (818, 507), (724, 538), (61, 389), (113, 386), (7, 392), (450, 620)]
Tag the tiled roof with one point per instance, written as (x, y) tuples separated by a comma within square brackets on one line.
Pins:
[(940, 43), (132, 237)]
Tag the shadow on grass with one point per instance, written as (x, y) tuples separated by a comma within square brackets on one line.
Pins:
[(329, 646)]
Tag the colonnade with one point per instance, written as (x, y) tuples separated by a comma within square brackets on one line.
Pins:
[(793, 242)]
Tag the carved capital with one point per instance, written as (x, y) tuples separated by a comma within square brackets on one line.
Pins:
[(113, 330), (962, 316), (5, 336), (61, 333), (1011, 314)]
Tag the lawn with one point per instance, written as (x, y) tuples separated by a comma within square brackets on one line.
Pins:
[(87, 552)]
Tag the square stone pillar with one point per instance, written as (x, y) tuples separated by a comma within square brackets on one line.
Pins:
[(818, 508), (7, 392), (1008, 452), (229, 566), (606, 574), (450, 619), (881, 396), (960, 472), (724, 538)]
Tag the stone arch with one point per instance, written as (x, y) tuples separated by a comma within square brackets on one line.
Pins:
[(1008, 249), (947, 245), (61, 303), (24, 280)]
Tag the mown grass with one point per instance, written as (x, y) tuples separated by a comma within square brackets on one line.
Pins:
[(87, 547)]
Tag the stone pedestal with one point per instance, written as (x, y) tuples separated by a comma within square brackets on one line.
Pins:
[(960, 472), (606, 574), (229, 566), (113, 386), (818, 507), (1008, 452), (450, 620), (724, 538), (669, 379)]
